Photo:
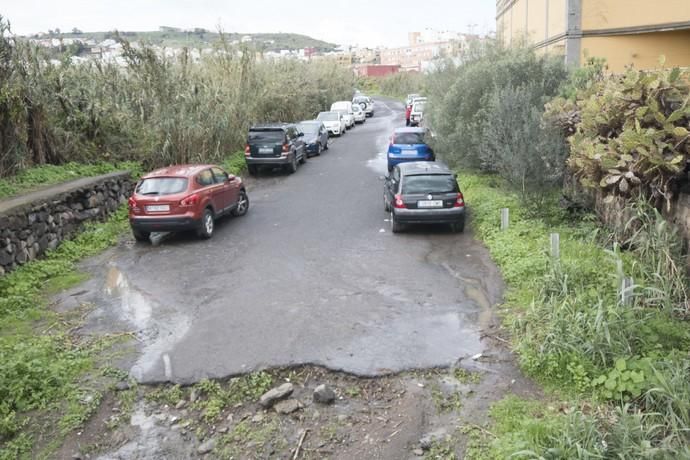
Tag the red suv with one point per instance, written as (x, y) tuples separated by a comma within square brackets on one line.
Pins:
[(187, 197)]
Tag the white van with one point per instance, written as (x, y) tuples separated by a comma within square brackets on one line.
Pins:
[(345, 107)]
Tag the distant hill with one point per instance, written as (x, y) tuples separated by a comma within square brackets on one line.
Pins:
[(200, 38)]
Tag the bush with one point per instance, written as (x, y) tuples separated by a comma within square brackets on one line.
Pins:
[(487, 114), (629, 134), (156, 110)]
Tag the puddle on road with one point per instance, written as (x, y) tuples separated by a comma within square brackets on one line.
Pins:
[(157, 335)]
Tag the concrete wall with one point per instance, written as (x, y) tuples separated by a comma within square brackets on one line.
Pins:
[(624, 32), (619, 14), (641, 50), (34, 223)]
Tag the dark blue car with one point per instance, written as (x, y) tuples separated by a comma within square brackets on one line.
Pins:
[(409, 144), (315, 136)]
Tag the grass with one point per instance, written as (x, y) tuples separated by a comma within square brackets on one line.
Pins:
[(616, 368), (41, 176), (41, 362)]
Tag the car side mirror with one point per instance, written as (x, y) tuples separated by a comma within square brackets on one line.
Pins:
[(231, 177)]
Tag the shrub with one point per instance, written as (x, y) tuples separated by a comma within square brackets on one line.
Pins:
[(629, 133)]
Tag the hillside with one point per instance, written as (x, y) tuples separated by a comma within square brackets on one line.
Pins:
[(175, 38)]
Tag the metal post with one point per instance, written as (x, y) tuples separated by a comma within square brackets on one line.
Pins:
[(555, 246), (505, 218), (627, 287)]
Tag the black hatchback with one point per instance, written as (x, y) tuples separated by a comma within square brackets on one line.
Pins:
[(421, 192), (275, 145)]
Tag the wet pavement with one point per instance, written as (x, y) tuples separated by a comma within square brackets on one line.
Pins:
[(311, 275)]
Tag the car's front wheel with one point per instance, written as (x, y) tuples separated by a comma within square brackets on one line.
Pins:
[(318, 149), (207, 225), (141, 237), (242, 205), (386, 204), (304, 158)]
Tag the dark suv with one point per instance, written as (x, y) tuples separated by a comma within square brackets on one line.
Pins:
[(422, 192), (274, 145)]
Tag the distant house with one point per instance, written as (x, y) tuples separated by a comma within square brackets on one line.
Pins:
[(246, 39), (376, 70)]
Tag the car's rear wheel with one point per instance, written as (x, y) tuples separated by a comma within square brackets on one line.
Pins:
[(207, 225), (458, 227), (325, 146), (141, 237), (253, 170), (292, 167), (242, 205), (396, 226)]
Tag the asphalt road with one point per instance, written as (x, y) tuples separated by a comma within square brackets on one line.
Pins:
[(311, 275)]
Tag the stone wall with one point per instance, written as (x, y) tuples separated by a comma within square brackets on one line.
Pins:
[(34, 223)]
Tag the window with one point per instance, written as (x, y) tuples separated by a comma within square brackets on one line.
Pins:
[(430, 183), (267, 136), (220, 175), (162, 186), (205, 178), (409, 138)]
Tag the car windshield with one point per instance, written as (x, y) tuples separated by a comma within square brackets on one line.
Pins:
[(328, 116), (309, 128), (268, 136), (409, 138), (430, 183), (162, 186), (359, 100)]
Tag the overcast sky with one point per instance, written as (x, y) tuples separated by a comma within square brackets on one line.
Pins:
[(353, 22)]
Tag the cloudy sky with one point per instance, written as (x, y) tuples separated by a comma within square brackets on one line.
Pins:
[(354, 22)]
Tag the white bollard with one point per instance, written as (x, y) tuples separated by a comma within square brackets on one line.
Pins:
[(505, 218), (555, 246)]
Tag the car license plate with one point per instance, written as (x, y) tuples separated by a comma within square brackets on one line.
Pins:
[(409, 151), (430, 204), (266, 150), (158, 208)]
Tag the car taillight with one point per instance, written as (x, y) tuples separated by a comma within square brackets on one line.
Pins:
[(247, 151), (191, 200), (399, 203), (132, 203), (459, 201), (286, 148)]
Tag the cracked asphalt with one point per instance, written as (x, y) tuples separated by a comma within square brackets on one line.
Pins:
[(311, 275)]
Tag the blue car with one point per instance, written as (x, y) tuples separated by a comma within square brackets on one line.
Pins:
[(409, 144), (315, 136)]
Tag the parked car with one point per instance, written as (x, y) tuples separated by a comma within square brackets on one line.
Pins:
[(417, 112), (423, 193), (188, 197), (279, 144), (360, 115), (345, 107), (334, 122), (410, 98), (315, 136), (366, 103), (409, 144)]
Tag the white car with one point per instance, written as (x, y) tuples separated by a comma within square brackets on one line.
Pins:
[(417, 114), (366, 103), (334, 122), (345, 107), (360, 115)]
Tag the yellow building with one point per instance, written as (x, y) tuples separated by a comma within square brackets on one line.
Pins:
[(624, 32)]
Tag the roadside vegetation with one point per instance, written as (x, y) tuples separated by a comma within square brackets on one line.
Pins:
[(618, 372), (155, 111)]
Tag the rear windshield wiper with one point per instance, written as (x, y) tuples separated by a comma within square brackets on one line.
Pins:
[(151, 193)]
